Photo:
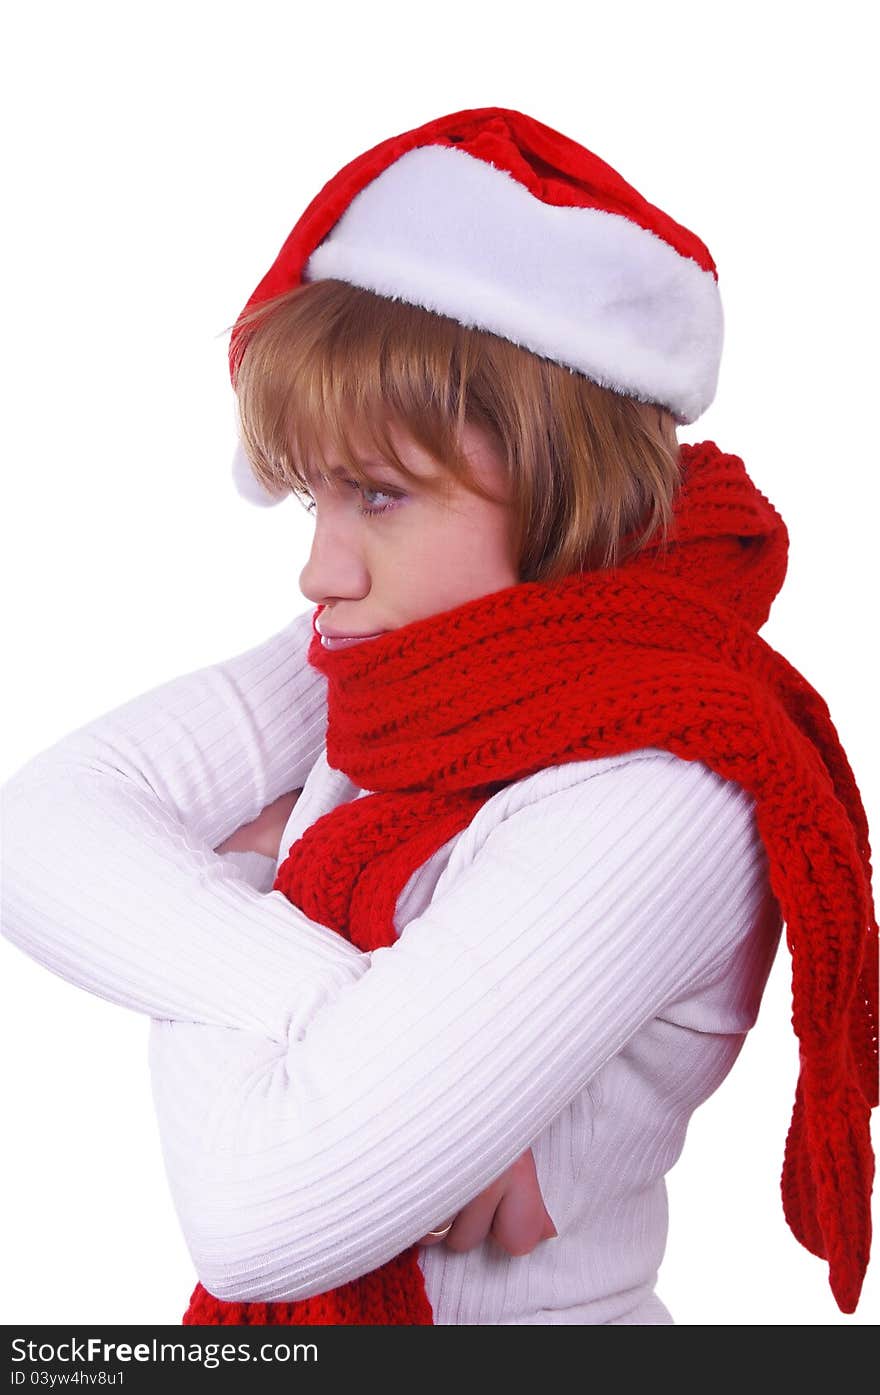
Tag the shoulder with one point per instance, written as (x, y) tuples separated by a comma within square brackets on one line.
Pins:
[(654, 773), (644, 849), (640, 798)]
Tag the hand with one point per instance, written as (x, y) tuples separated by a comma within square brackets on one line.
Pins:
[(511, 1210), (263, 834)]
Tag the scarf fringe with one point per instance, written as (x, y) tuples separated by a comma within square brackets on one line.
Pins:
[(830, 1139)]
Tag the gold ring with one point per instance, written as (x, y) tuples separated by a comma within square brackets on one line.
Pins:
[(438, 1234)]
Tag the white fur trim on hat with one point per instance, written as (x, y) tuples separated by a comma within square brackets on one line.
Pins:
[(248, 485), (444, 230)]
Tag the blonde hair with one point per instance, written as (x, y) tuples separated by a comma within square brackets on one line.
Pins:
[(329, 363)]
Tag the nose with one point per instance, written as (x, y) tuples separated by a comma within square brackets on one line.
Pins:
[(337, 568)]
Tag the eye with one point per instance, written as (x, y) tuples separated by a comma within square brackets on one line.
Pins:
[(382, 493), (372, 510)]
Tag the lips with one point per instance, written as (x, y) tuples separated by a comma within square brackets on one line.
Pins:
[(331, 641)]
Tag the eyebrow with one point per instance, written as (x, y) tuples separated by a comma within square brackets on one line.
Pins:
[(340, 471)]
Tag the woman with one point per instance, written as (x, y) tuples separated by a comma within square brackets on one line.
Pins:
[(534, 882)]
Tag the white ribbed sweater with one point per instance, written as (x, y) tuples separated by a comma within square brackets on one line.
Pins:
[(576, 971)]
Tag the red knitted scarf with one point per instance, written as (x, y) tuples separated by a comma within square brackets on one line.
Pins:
[(435, 717)]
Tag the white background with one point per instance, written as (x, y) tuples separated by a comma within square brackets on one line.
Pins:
[(158, 155)]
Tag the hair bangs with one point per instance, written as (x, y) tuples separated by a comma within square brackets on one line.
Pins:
[(331, 374), (328, 373)]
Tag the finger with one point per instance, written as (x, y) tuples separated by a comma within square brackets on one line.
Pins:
[(474, 1221), (518, 1229), (435, 1239), (522, 1221)]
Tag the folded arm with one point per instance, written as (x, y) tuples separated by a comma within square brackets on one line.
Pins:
[(406, 1086), (110, 878)]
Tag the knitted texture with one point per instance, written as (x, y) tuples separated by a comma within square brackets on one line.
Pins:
[(662, 651)]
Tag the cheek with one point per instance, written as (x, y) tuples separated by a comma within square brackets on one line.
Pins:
[(476, 556), (447, 551), (425, 559), (486, 539)]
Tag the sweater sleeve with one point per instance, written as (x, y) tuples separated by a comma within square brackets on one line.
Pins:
[(402, 1093), (110, 878)]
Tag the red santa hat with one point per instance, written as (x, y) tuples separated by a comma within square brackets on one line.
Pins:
[(506, 225)]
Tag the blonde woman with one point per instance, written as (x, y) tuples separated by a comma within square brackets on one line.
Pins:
[(452, 901)]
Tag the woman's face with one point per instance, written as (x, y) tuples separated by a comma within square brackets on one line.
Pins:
[(390, 553)]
